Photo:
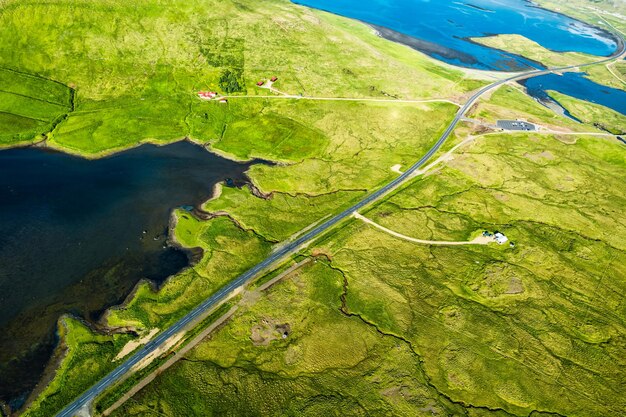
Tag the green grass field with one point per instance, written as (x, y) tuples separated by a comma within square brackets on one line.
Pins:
[(593, 114), (329, 364), (393, 327), (365, 141), (613, 75), (390, 327), (136, 68), (30, 106), (281, 215), (380, 326)]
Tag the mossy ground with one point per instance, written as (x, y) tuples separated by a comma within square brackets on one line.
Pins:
[(383, 326), (593, 114), (275, 217), (391, 327), (329, 364), (30, 106)]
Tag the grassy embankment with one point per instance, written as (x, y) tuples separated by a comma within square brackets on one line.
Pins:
[(525, 47), (391, 327), (135, 69), (593, 114), (597, 13)]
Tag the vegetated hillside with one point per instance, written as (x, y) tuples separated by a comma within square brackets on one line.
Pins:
[(382, 326), (134, 69), (136, 66), (592, 11)]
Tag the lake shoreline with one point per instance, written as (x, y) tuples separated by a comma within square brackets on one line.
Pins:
[(29, 351), (447, 48)]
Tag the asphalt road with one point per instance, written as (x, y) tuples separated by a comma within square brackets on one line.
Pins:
[(293, 246)]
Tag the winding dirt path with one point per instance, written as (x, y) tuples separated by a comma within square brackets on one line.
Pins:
[(608, 66), (480, 240)]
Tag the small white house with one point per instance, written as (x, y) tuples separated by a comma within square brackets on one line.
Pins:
[(500, 238)]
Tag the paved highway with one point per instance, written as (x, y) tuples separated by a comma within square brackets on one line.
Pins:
[(293, 246)]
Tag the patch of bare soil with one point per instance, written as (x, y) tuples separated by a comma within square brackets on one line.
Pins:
[(321, 252), (515, 286), (568, 140), (501, 196), (500, 280), (481, 130), (134, 344), (537, 157), (397, 392), (267, 330)]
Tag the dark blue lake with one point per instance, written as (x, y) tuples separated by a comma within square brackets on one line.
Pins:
[(440, 28), (76, 235)]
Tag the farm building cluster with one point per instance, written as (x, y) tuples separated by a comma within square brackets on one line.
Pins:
[(211, 95), (261, 83), (214, 95)]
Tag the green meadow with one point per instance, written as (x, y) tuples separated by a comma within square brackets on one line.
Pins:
[(135, 69), (376, 325), (103, 77), (382, 326), (30, 106), (593, 114)]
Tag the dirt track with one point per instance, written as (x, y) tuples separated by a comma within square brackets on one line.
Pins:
[(480, 240)]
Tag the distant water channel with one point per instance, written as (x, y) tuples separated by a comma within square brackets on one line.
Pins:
[(441, 28), (76, 235), (576, 85)]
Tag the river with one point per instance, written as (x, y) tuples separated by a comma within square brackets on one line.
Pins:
[(449, 24), (576, 84), (442, 29)]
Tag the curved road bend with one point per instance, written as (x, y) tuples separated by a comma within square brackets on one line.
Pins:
[(290, 248)]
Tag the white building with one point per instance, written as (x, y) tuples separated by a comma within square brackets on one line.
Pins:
[(500, 238)]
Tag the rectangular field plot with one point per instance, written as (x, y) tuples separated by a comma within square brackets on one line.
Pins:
[(29, 106)]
